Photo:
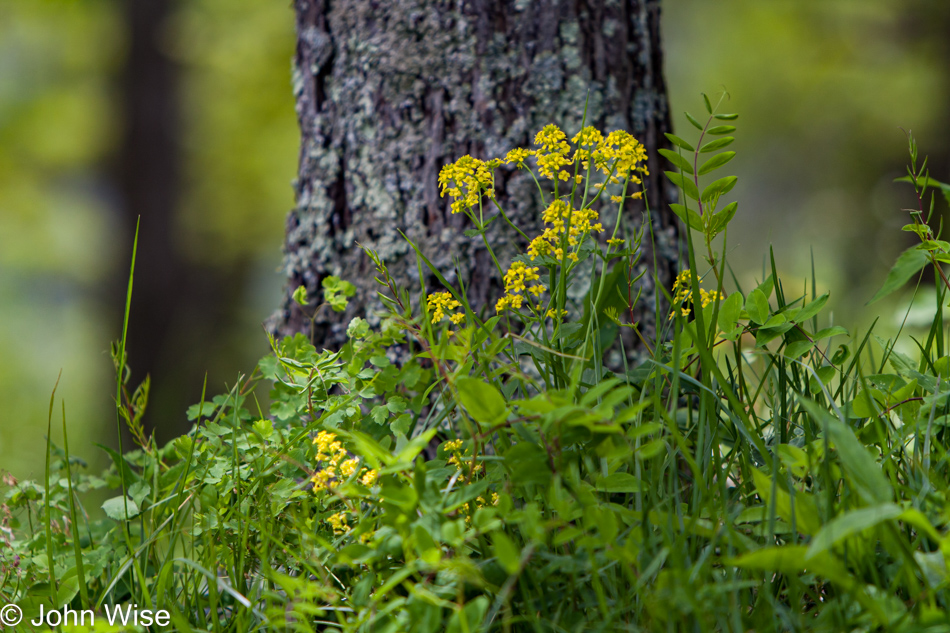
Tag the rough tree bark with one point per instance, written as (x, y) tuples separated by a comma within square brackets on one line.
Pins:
[(389, 91)]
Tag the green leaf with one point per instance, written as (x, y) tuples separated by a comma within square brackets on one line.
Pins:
[(811, 309), (707, 104), (908, 264), (505, 551), (482, 401), (618, 482), (684, 183), (721, 129), (797, 349), (719, 143), (716, 161), (866, 474), (729, 312), (115, 508), (757, 305), (681, 163), (726, 117), (688, 216), (828, 332), (801, 507), (850, 523), (696, 124), (719, 187), (675, 140), (300, 295), (825, 374), (722, 218)]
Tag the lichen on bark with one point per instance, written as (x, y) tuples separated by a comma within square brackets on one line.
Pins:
[(389, 91)]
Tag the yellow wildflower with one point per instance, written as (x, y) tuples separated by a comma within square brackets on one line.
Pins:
[(467, 180), (369, 478), (441, 302), (338, 522)]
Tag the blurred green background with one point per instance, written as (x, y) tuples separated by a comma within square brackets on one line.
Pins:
[(197, 94)]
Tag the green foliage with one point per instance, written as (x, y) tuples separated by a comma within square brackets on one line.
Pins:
[(452, 470)]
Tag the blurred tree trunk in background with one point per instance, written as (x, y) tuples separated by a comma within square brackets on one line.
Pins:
[(177, 308), (388, 92)]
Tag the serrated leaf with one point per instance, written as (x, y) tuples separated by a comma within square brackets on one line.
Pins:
[(472, 232), (675, 140), (684, 183), (719, 130), (715, 162), (696, 124), (681, 163), (907, 265), (688, 216), (719, 143), (719, 187)]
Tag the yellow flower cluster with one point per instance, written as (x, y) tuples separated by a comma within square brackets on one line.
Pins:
[(683, 294), (337, 463), (467, 180), (557, 214), (458, 459), (516, 280), (553, 153), (440, 303), (338, 522)]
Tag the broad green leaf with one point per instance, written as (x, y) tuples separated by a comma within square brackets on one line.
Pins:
[(719, 187), (850, 523), (688, 216), (829, 332), (115, 508), (719, 143), (618, 482), (811, 309), (506, 552), (681, 163), (675, 140), (796, 350), (721, 129), (715, 162), (729, 312), (826, 374), (483, 401), (684, 183), (908, 264), (757, 305), (922, 230)]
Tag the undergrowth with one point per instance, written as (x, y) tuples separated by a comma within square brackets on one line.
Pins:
[(508, 468)]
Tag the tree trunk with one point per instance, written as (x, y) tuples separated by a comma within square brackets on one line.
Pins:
[(389, 91)]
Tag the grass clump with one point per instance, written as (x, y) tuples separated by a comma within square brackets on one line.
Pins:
[(455, 469)]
